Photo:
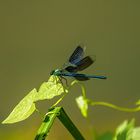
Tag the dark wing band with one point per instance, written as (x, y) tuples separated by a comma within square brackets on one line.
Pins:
[(84, 63), (81, 65)]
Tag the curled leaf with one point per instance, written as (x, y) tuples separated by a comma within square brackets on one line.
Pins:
[(83, 105)]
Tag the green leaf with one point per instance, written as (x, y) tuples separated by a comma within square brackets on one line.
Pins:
[(136, 133), (124, 131), (50, 89), (26, 106), (83, 105), (23, 110)]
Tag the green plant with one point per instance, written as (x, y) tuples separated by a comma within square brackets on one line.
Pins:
[(49, 90), (125, 131)]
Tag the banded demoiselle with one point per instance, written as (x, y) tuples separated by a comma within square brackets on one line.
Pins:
[(77, 62)]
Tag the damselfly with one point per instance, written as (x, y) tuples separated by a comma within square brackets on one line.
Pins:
[(77, 62)]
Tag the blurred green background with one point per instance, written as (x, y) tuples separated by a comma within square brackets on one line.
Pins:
[(38, 36)]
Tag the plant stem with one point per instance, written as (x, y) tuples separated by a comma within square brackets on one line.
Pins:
[(114, 106), (46, 124), (63, 117)]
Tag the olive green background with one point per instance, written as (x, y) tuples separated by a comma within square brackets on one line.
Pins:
[(38, 36)]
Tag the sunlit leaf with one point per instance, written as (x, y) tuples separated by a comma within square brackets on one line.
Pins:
[(50, 89), (124, 131), (82, 104), (26, 106), (136, 133), (23, 110)]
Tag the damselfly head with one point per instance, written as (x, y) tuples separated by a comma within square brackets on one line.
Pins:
[(56, 72)]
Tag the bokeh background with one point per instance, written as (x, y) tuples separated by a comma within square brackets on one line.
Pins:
[(38, 36)]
